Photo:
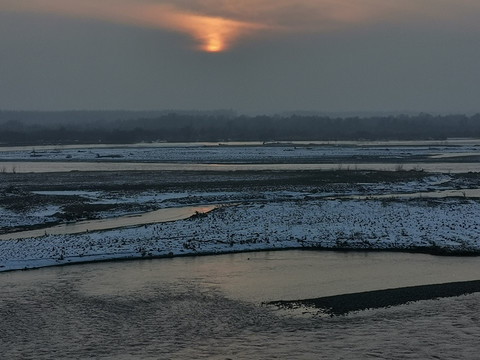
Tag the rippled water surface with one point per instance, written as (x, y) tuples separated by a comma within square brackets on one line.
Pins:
[(210, 307)]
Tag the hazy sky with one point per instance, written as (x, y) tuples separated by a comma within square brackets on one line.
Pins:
[(248, 55)]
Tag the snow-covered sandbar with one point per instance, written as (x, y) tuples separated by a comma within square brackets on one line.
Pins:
[(448, 226)]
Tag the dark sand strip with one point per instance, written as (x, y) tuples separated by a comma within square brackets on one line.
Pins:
[(343, 304)]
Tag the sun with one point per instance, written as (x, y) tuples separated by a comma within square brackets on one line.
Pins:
[(214, 44)]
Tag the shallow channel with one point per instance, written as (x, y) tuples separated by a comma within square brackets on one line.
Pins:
[(46, 167), (157, 216)]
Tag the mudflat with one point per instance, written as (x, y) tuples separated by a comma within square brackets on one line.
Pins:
[(345, 303)]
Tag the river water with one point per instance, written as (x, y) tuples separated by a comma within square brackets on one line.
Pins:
[(448, 142), (46, 167), (211, 307), (151, 217)]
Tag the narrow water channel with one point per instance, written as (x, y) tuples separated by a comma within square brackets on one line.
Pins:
[(157, 216), (45, 167)]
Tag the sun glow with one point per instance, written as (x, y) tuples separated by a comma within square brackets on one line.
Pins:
[(218, 25), (213, 34), (214, 44)]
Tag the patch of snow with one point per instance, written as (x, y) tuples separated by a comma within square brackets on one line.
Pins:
[(39, 215)]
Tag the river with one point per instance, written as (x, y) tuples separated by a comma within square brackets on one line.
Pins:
[(211, 307), (46, 167)]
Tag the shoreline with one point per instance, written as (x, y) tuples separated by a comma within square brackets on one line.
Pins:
[(419, 226)]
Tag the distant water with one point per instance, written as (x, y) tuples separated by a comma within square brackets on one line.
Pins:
[(210, 307), (46, 167), (448, 142)]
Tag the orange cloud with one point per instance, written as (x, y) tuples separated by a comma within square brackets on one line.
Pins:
[(217, 25), (212, 33)]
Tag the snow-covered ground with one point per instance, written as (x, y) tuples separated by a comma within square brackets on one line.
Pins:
[(411, 210), (447, 224), (37, 214)]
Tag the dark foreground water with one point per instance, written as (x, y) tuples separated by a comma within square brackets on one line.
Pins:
[(210, 307)]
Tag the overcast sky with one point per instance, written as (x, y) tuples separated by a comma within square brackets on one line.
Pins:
[(261, 56)]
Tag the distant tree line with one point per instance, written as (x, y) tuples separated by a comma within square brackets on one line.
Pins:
[(114, 127)]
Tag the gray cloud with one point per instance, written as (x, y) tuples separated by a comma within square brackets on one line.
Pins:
[(284, 55)]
